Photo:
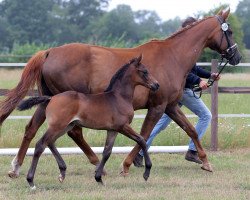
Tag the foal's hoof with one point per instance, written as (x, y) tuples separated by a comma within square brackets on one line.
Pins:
[(61, 178), (145, 176), (12, 174), (99, 179), (207, 167), (33, 188)]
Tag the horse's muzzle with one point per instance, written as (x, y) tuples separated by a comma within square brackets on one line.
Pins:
[(233, 55)]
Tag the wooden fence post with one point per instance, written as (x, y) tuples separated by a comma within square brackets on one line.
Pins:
[(214, 109)]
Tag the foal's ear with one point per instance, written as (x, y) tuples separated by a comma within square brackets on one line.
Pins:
[(138, 59)]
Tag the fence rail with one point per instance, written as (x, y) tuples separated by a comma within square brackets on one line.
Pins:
[(214, 90)]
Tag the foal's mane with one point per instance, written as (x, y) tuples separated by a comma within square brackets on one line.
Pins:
[(118, 75)]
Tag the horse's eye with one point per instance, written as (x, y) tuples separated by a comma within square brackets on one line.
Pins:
[(145, 73)]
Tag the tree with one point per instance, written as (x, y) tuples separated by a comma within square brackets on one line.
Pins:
[(170, 26), (117, 23), (243, 12), (28, 20), (148, 23)]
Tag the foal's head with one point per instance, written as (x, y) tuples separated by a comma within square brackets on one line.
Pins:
[(141, 76), (137, 73), (221, 39)]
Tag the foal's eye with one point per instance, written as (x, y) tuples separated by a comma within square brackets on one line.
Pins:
[(145, 73)]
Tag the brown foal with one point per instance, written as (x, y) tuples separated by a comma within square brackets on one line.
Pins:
[(112, 111)]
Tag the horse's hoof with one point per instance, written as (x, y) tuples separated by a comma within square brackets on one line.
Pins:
[(124, 174), (12, 174), (61, 178), (207, 167)]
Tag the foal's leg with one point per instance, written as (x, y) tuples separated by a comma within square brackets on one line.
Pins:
[(178, 116), (61, 164), (129, 132), (76, 135), (111, 135), (30, 131), (40, 146), (152, 117)]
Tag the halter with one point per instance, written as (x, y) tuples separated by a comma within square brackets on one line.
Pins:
[(231, 49), (230, 52)]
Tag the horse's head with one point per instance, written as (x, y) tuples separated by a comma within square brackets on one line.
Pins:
[(142, 76), (221, 39)]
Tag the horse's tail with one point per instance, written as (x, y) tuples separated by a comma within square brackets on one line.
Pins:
[(31, 75), (29, 103)]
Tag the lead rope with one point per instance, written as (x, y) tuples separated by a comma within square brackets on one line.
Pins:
[(196, 89)]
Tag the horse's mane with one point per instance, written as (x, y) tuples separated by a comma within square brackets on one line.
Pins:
[(118, 75), (181, 30), (188, 27)]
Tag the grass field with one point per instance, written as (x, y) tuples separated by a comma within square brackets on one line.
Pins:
[(171, 177)]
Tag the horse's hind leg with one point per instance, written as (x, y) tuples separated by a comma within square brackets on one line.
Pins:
[(76, 135), (111, 135), (30, 131), (178, 116), (61, 164)]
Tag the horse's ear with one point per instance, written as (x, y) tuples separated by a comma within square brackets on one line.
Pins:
[(220, 12), (226, 14)]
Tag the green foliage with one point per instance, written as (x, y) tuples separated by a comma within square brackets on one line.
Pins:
[(243, 12), (21, 53)]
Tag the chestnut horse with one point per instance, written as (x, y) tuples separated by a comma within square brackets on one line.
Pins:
[(87, 68), (71, 108)]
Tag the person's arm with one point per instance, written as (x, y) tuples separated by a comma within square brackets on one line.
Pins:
[(193, 79)]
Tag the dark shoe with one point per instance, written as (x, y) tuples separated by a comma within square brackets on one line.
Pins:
[(138, 161), (193, 156)]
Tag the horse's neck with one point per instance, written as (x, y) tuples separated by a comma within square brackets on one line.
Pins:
[(190, 43)]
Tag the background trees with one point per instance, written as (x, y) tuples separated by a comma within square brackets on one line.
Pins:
[(29, 24)]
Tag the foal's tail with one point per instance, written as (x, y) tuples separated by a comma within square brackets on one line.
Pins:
[(29, 103), (31, 76)]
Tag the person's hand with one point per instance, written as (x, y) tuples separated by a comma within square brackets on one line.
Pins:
[(203, 85), (214, 76)]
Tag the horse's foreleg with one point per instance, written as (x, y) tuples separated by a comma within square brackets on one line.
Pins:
[(30, 131), (76, 135), (152, 117), (178, 116), (129, 132), (111, 135), (61, 164)]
